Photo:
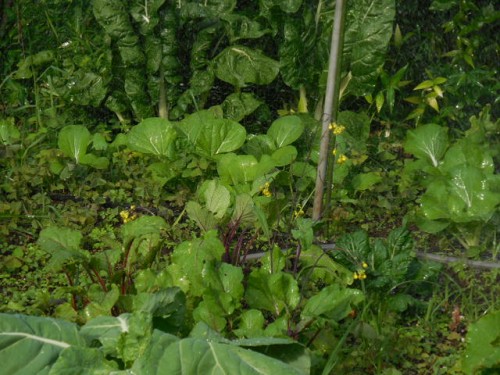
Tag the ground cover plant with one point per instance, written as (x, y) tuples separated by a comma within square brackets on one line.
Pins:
[(158, 167)]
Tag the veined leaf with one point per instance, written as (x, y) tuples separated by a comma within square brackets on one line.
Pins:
[(73, 141), (428, 142), (240, 65), (153, 136), (286, 130), (31, 345), (216, 197), (63, 244)]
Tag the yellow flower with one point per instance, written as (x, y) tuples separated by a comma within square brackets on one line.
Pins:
[(336, 128), (342, 159), (364, 265), (298, 212), (360, 275), (128, 215), (265, 190)]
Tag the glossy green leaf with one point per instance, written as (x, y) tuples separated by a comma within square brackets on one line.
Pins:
[(63, 244), (212, 135), (272, 292), (240, 65), (95, 161), (73, 141), (428, 142), (153, 136), (238, 169), (251, 324), (31, 345), (284, 156), (368, 31), (285, 130), (258, 145)]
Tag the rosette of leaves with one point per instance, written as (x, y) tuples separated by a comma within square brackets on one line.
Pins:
[(460, 179)]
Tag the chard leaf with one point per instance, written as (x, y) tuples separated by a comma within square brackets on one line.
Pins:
[(31, 345), (239, 66), (203, 217), (367, 34), (153, 136), (428, 142), (73, 141), (286, 130)]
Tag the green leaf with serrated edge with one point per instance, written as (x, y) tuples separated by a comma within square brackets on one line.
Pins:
[(73, 141), (31, 345), (272, 292), (153, 136), (333, 302), (482, 352), (63, 244), (240, 65), (191, 256), (428, 142), (285, 130)]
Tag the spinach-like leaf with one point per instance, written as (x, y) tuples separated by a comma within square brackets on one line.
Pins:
[(73, 141), (428, 142), (240, 65), (153, 136)]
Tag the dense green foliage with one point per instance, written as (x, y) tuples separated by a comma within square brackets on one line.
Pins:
[(158, 161)]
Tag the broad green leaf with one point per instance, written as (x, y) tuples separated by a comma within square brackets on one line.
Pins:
[(285, 130), (482, 352), (273, 261), (365, 181), (238, 169), (240, 65), (258, 145), (198, 356), (251, 324), (73, 141), (78, 360), (428, 142), (320, 266), (216, 197), (153, 136), (284, 156), (212, 135), (63, 244), (203, 217), (434, 201), (31, 345), (95, 161), (368, 31), (244, 210), (101, 301), (466, 152), (107, 330), (471, 196), (272, 292), (192, 256), (142, 226), (237, 106), (333, 302)]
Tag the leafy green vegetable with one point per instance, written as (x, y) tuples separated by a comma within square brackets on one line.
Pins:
[(428, 142), (285, 130), (153, 136)]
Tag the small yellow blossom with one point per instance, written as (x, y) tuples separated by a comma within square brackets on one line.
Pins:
[(128, 215), (360, 275), (298, 212), (342, 159), (336, 128), (364, 265), (265, 190)]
